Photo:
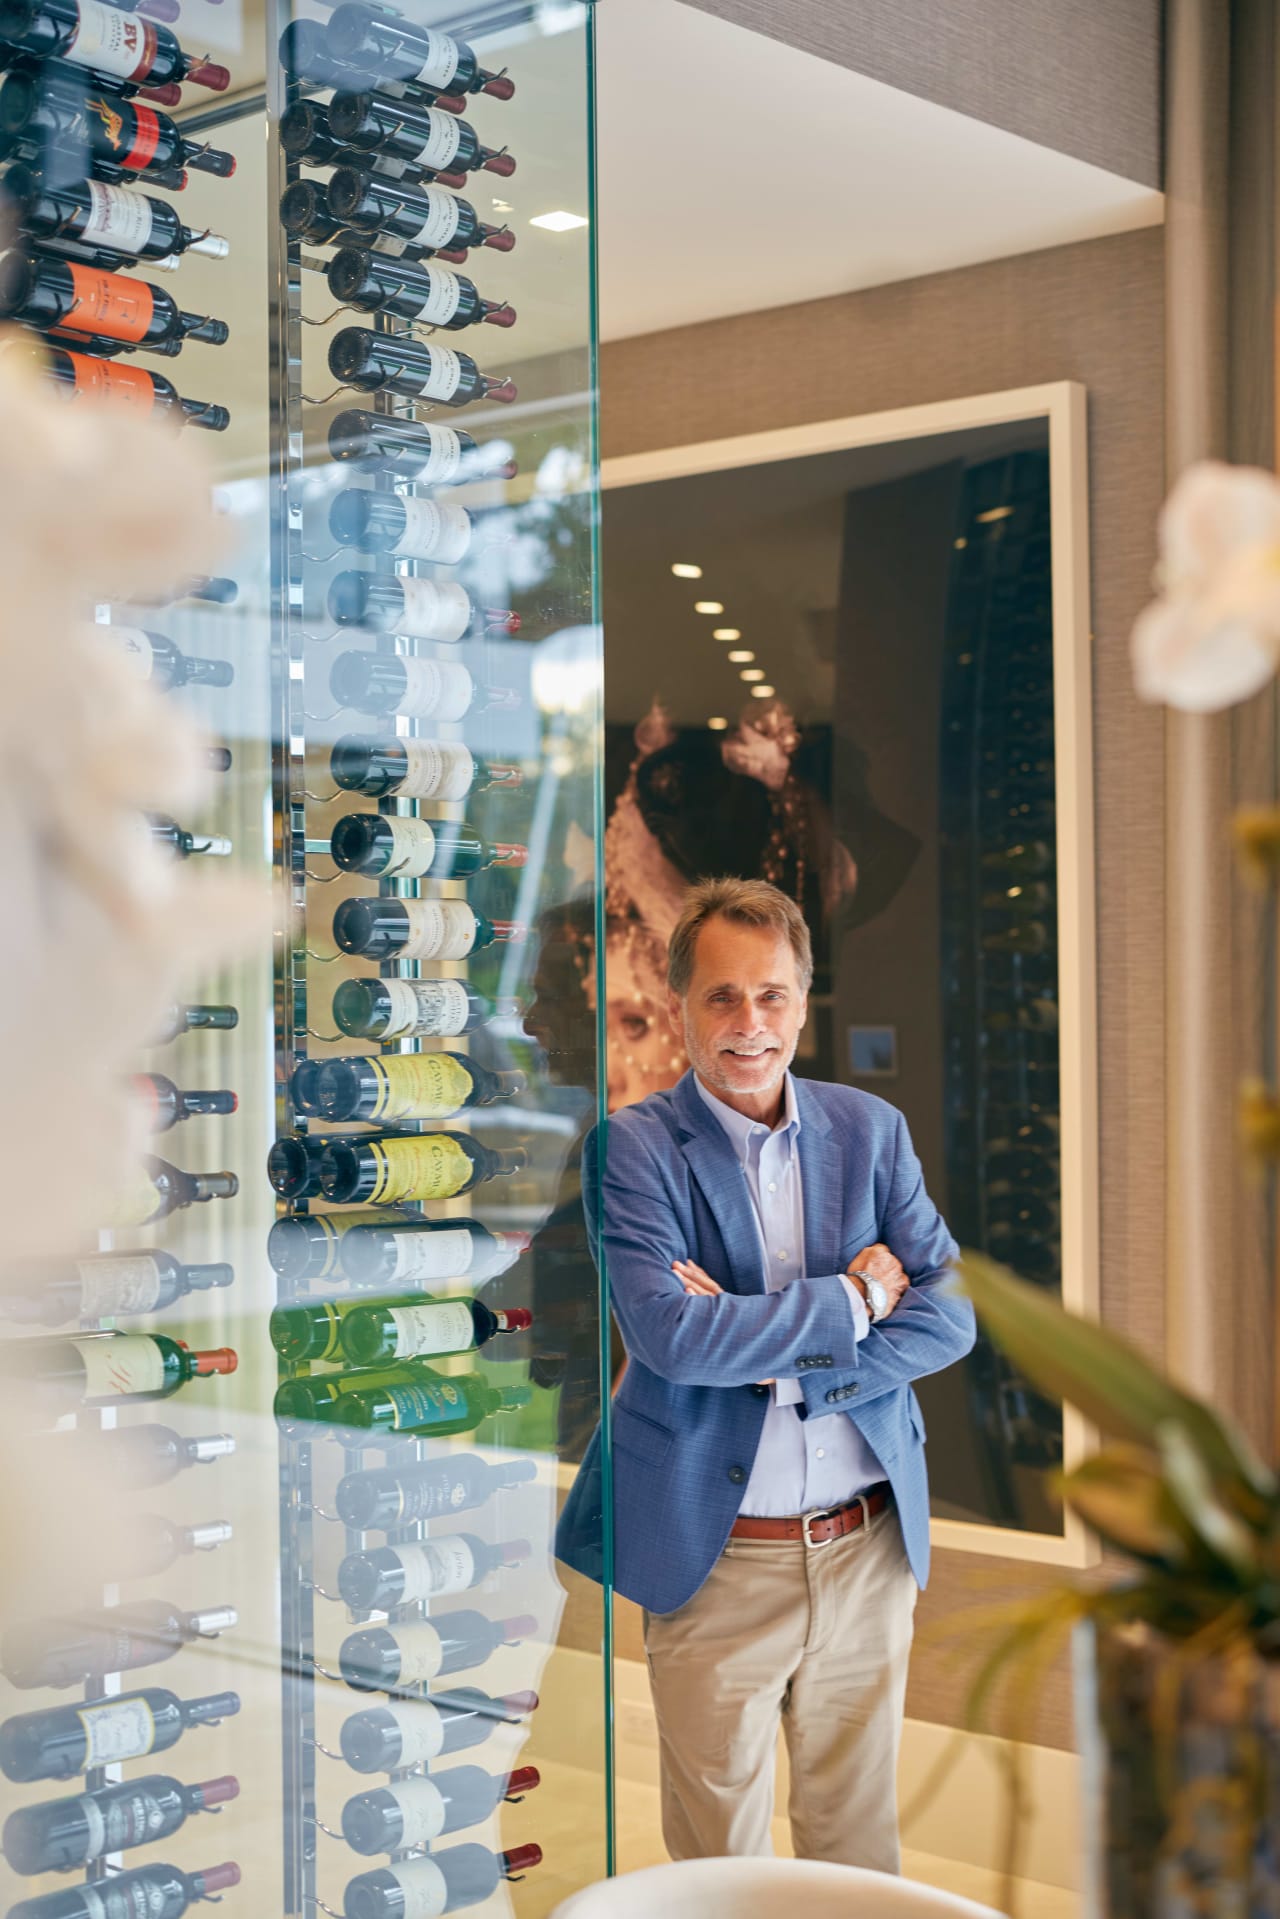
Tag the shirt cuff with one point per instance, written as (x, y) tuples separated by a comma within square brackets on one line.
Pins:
[(861, 1317)]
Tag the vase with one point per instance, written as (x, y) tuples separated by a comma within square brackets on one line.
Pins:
[(1180, 1775)]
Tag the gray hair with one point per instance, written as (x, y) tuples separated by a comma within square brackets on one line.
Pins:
[(744, 903)]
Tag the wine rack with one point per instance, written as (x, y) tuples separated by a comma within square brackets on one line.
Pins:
[(95, 166), (436, 679)]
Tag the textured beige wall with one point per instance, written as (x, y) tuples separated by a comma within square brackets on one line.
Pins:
[(1092, 313)]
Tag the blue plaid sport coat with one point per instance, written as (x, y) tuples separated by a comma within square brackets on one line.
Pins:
[(687, 1418)]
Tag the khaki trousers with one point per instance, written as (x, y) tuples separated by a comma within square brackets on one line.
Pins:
[(817, 1638)]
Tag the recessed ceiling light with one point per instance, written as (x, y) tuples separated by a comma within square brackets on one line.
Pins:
[(502, 206), (742, 656), (762, 692), (684, 571), (751, 673), (717, 724), (707, 606), (961, 544), (994, 513), (727, 633), (559, 221)]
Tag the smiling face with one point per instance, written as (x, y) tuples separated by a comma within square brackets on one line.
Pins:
[(741, 1017)]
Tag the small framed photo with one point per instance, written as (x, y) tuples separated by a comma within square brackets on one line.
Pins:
[(873, 1052)]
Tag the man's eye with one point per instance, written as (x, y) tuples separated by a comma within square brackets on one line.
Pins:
[(634, 1026)]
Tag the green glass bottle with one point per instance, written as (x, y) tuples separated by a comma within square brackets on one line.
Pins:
[(433, 1404), (423, 1328)]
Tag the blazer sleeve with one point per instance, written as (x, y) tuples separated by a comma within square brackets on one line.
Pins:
[(730, 1340), (932, 1325)]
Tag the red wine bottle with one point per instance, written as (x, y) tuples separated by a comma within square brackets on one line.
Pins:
[(107, 220), (180, 1019), (140, 1457), (305, 53), (425, 218), (106, 39), (431, 1250), (305, 135), (174, 839), (431, 455), (60, 1835), (410, 528), (147, 1543), (163, 1189), (394, 1496), (398, 363), (166, 1103), (391, 49), (306, 1247), (293, 1165), (112, 1286), (384, 1577), (133, 386), (396, 1658), (420, 609), (446, 1882), (413, 1812), (384, 928), (47, 293), (394, 1738), (414, 769), (47, 110), (433, 295), (393, 1088), (161, 1891), (390, 1172), (389, 683), (66, 1652), (416, 1328), (435, 1008), (102, 1369), (378, 844), (439, 143), (158, 660), (64, 1740)]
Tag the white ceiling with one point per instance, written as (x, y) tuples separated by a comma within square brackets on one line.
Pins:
[(737, 174)]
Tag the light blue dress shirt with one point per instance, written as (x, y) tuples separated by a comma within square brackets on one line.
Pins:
[(801, 1465)]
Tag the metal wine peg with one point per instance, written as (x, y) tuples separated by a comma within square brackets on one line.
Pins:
[(325, 959), (336, 1598), (329, 1833), (311, 400), (315, 1743), (323, 559), (309, 1505), (322, 718), (329, 1039), (307, 321), (320, 879), (329, 1909), (323, 799)]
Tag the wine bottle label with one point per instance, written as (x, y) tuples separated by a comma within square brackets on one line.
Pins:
[(435, 1403), (132, 132), (425, 1888), (444, 462), (444, 297), (136, 647), (444, 1255), (444, 1326), (129, 1821), (119, 1365), (441, 1568), (442, 143), (439, 929), (108, 303), (138, 1203), (117, 217), (112, 42), (125, 1729), (95, 1838), (124, 1284), (422, 1811), (441, 63), (431, 532), (430, 1167), (436, 769), (441, 223), (105, 380), (413, 848), (421, 1653), (426, 1008), (435, 689), (445, 377), (421, 1730), (117, 1899), (434, 611), (418, 1086)]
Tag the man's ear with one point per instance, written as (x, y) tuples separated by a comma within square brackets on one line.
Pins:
[(675, 1014)]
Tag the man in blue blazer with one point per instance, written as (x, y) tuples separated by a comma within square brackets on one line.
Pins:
[(779, 1275)]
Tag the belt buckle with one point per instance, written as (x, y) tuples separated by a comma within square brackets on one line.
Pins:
[(807, 1519)]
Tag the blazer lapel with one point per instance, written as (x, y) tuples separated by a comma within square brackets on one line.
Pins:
[(822, 1175), (716, 1167)]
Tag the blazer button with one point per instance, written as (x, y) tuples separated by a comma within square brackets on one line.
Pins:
[(738, 1473), (833, 1396)]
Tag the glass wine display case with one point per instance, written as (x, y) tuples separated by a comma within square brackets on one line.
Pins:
[(315, 1396)]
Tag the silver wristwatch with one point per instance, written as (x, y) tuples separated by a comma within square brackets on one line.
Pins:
[(877, 1294)]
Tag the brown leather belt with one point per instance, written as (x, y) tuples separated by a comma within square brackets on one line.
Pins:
[(821, 1527)]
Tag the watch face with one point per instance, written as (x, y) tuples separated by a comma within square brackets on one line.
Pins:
[(879, 1298)]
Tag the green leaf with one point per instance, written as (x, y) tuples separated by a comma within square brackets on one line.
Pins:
[(1226, 1535), (1107, 1379), (1121, 1494)]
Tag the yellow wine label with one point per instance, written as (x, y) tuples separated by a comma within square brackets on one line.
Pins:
[(421, 1652), (125, 1729), (434, 1166), (418, 1085), (137, 1202), (120, 1365)]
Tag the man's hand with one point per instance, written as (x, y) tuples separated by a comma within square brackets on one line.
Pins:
[(882, 1265), (694, 1280)]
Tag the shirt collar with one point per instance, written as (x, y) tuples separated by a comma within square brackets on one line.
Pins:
[(742, 1130)]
